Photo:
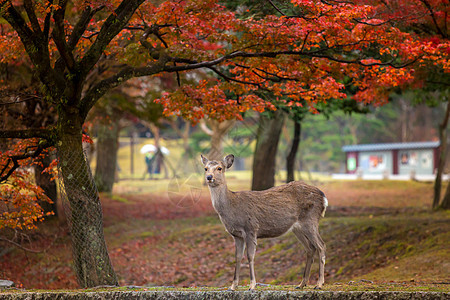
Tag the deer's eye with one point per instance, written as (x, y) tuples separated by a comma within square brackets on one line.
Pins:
[(220, 169), (206, 169)]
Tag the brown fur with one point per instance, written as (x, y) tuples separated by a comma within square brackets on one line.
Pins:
[(249, 215)]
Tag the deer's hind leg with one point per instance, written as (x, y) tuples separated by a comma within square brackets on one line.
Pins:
[(321, 249), (310, 251), (309, 234)]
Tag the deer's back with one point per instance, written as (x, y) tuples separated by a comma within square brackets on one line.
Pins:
[(272, 212)]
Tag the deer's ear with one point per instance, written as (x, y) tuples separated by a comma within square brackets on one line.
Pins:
[(228, 160), (204, 160)]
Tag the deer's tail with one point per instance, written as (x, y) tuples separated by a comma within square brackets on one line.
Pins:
[(325, 204)]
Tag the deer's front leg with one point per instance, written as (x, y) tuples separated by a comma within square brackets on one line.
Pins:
[(251, 249), (240, 246)]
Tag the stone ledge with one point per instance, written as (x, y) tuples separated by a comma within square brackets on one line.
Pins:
[(200, 295)]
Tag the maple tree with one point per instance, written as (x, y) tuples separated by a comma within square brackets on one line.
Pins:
[(30, 193), (297, 57)]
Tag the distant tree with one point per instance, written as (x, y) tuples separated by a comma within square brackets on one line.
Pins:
[(291, 157), (264, 158), (347, 106), (217, 131), (108, 116)]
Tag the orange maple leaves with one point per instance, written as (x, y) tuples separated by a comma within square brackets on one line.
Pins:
[(301, 56), (19, 195), (308, 56)]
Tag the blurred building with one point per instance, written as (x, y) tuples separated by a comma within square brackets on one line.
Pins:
[(418, 158)]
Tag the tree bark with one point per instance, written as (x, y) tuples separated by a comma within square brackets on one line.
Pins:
[(290, 159), (446, 201), (442, 157), (107, 147), (91, 260), (46, 182), (264, 159)]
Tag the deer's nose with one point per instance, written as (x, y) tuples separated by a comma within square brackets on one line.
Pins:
[(209, 177)]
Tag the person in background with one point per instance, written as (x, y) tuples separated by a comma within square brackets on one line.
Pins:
[(149, 159)]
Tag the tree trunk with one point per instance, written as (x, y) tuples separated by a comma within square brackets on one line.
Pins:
[(45, 181), (107, 146), (442, 157), (217, 130), (83, 209), (290, 159), (264, 159), (446, 201)]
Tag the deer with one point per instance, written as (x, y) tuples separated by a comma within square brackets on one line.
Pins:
[(249, 215)]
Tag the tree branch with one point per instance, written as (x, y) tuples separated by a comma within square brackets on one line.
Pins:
[(205, 128), (112, 26), (276, 8), (240, 54), (31, 250), (20, 246), (47, 20), (99, 89), (15, 19), (28, 134), (35, 47), (16, 158), (433, 17), (273, 77), (81, 26), (228, 78), (59, 36), (28, 5)]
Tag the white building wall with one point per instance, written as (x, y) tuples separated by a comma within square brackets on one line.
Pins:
[(375, 162)]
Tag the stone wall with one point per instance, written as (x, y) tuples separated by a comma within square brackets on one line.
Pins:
[(200, 295)]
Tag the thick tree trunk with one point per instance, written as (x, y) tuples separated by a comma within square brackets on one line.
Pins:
[(107, 146), (264, 159), (45, 181), (442, 157), (290, 159), (83, 209)]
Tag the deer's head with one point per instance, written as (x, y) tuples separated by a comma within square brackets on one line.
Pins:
[(215, 170)]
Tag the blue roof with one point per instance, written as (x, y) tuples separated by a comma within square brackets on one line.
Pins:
[(391, 146)]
